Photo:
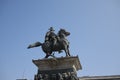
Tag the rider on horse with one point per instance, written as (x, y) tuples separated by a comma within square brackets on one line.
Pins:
[(54, 42), (51, 36)]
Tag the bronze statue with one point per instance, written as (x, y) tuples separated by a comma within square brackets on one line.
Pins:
[(54, 42), (51, 36)]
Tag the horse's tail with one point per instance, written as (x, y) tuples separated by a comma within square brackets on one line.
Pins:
[(36, 44)]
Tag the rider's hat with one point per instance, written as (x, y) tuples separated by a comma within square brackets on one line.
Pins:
[(51, 29)]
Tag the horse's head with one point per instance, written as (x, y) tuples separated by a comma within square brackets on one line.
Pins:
[(63, 31)]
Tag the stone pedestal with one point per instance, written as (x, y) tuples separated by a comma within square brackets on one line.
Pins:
[(63, 66)]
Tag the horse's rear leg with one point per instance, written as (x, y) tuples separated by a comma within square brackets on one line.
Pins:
[(47, 56)]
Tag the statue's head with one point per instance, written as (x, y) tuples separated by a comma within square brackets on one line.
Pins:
[(63, 31), (51, 29)]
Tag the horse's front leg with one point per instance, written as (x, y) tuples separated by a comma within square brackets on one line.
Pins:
[(66, 51)]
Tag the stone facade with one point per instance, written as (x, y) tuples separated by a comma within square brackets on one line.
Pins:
[(63, 68), (111, 77)]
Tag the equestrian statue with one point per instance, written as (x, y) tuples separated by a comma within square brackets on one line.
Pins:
[(54, 42)]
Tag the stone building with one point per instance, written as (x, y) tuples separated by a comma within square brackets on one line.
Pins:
[(69, 65), (112, 77)]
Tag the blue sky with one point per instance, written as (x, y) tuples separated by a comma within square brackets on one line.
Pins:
[(94, 27)]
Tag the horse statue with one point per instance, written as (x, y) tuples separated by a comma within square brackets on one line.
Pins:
[(61, 44)]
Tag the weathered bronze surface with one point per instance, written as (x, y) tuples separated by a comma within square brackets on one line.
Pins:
[(54, 42)]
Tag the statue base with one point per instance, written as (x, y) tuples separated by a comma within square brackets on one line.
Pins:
[(54, 68)]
